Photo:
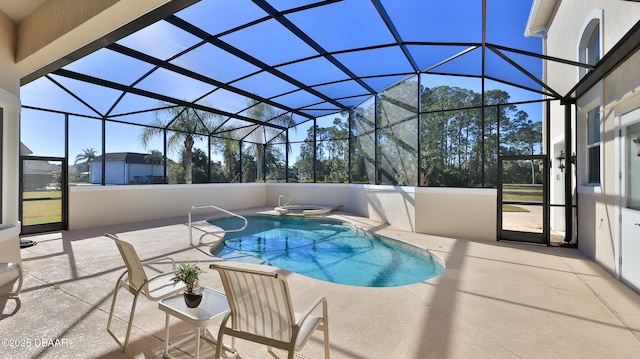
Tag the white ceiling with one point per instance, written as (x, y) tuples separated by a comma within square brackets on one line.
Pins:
[(19, 9)]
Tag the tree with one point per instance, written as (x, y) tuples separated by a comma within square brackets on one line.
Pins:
[(230, 150), (249, 169), (332, 151), (304, 163), (274, 163), (397, 110), (186, 124), (261, 134), (451, 137), (524, 137), (459, 142), (154, 158), (362, 132), (87, 155), (199, 164)]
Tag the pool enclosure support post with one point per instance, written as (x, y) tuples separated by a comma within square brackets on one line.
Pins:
[(482, 85), (104, 153), (164, 162), (419, 126), (376, 168), (286, 156), (315, 150), (65, 176), (240, 158), (350, 145), (208, 159), (568, 174), (264, 161)]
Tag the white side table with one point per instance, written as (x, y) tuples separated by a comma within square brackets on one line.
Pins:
[(214, 303)]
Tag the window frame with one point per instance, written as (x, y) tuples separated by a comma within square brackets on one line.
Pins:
[(588, 41), (629, 118), (591, 145), (630, 156)]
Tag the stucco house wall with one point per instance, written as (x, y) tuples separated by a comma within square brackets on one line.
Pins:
[(598, 213)]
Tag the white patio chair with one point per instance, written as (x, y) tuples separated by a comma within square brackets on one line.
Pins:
[(9, 267), (261, 311), (136, 282)]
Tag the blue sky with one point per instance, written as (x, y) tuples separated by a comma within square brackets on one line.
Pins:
[(335, 27)]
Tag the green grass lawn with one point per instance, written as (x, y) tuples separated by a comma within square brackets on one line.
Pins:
[(512, 208), (44, 211), (522, 192)]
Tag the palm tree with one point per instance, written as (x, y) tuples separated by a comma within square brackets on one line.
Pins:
[(266, 113), (154, 158), (87, 155), (186, 124)]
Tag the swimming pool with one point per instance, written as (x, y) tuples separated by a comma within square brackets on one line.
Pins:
[(326, 249)]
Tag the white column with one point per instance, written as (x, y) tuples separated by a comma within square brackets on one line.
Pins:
[(10, 142)]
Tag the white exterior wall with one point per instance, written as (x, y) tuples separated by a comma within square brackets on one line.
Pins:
[(387, 204), (466, 213), (622, 102), (116, 173), (10, 104), (311, 193), (50, 33), (97, 206), (599, 234), (456, 213)]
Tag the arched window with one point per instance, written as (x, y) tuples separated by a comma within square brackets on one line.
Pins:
[(589, 50)]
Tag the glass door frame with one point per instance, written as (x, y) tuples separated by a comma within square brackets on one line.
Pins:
[(526, 237), (64, 179)]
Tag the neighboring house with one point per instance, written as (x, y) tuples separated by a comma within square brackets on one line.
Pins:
[(605, 123), (81, 168), (24, 150), (37, 175), (125, 168)]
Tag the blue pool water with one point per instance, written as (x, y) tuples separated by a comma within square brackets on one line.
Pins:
[(324, 249)]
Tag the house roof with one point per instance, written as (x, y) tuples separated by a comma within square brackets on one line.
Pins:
[(126, 157), (39, 167), (24, 150), (542, 12)]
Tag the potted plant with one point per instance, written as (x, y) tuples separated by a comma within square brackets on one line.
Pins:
[(189, 273)]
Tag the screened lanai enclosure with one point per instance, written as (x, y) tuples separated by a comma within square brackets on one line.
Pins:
[(405, 93)]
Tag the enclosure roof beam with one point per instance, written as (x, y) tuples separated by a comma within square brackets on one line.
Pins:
[(309, 41), (196, 76), (193, 30), (159, 97)]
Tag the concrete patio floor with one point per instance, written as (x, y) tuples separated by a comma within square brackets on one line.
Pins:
[(494, 300)]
